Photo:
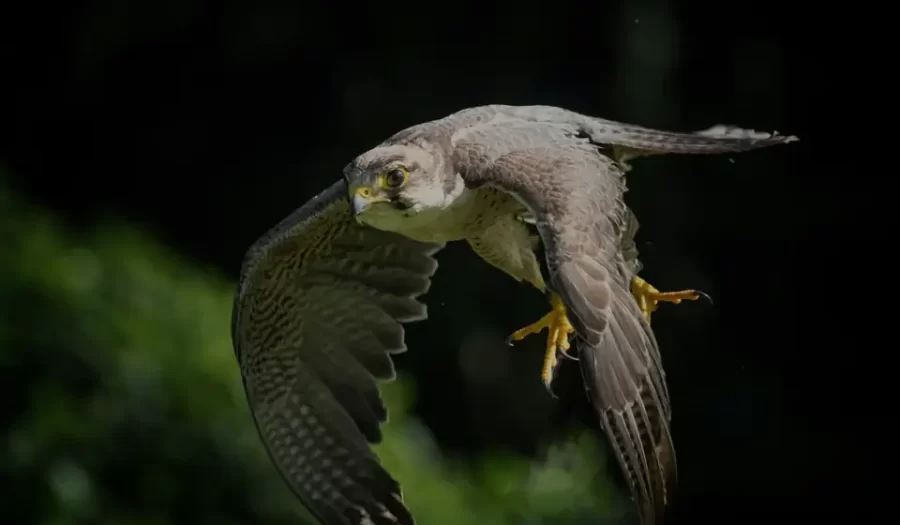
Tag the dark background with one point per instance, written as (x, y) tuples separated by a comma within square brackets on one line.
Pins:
[(204, 123)]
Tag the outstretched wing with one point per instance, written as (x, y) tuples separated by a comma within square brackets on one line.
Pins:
[(551, 160), (575, 194), (316, 314), (621, 140)]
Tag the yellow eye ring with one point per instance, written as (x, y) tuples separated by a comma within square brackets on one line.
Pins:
[(394, 177)]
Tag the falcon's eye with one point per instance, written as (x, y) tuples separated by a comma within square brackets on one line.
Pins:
[(395, 177)]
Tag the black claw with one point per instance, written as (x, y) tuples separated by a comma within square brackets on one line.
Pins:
[(704, 295), (549, 387), (509, 341), (567, 356)]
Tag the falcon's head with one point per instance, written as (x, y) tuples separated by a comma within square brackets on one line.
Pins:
[(392, 187)]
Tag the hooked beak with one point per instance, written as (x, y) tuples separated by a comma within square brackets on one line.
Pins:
[(360, 204), (362, 199)]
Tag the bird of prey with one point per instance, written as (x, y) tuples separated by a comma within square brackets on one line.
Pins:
[(537, 192)]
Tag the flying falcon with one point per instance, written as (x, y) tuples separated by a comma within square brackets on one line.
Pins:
[(537, 192)]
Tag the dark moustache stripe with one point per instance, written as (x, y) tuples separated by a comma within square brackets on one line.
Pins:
[(401, 203)]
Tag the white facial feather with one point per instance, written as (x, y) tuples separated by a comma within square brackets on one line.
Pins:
[(434, 205)]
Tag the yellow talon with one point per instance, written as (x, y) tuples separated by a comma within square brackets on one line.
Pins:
[(559, 328), (648, 297)]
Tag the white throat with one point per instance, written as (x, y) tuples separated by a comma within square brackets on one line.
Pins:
[(436, 216)]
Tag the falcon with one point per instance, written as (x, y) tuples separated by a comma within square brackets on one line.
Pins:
[(537, 192)]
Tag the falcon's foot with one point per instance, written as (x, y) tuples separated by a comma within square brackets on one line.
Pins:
[(648, 297), (558, 326)]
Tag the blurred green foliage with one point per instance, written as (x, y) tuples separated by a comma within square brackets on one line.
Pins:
[(124, 403)]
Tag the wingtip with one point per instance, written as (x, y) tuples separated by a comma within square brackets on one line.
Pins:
[(735, 132)]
